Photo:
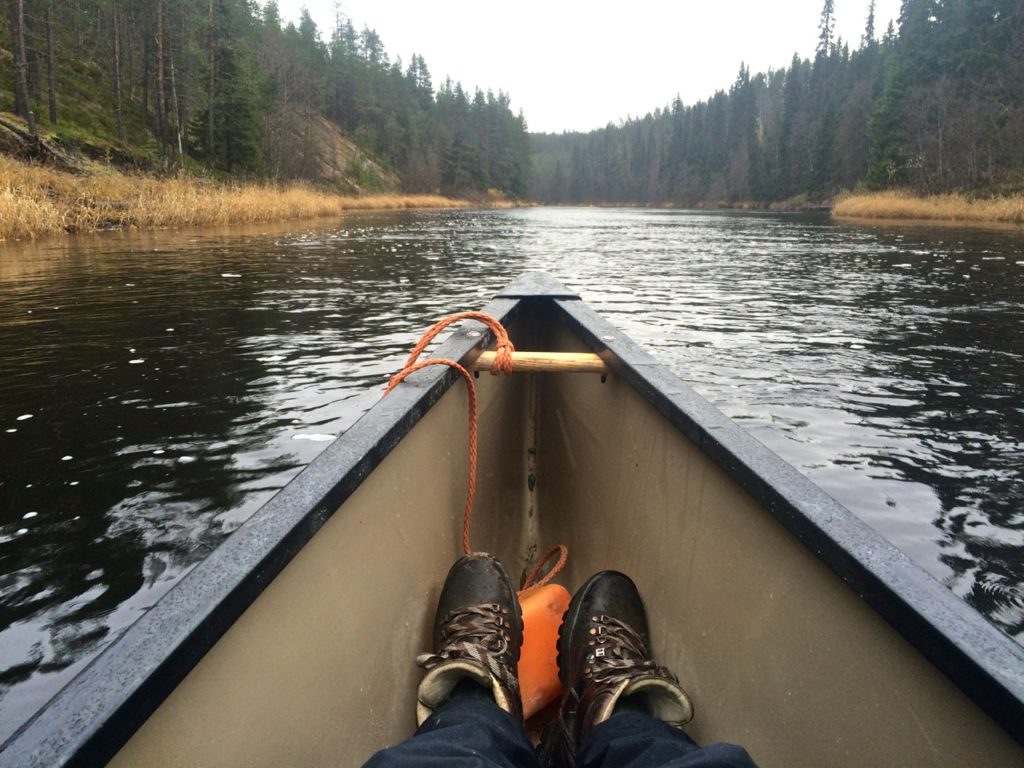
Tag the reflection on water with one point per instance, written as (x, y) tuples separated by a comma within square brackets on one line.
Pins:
[(155, 390)]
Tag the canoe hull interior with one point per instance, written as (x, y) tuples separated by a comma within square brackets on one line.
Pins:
[(777, 652)]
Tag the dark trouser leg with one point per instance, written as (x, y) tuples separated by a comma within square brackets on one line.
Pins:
[(463, 732), (641, 741)]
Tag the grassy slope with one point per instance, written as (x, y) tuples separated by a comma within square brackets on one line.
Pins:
[(42, 202), (85, 114)]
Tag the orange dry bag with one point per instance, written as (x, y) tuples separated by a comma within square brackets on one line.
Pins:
[(543, 609)]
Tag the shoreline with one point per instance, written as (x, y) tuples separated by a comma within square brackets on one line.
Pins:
[(905, 208), (37, 202), (890, 208)]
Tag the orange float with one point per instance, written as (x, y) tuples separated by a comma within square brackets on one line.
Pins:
[(543, 608)]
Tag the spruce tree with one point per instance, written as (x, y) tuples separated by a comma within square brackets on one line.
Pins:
[(869, 27), (826, 29), (227, 133), (886, 128)]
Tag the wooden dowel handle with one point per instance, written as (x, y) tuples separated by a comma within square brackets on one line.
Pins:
[(569, 362)]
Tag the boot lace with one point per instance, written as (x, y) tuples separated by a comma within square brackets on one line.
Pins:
[(618, 653), (480, 633)]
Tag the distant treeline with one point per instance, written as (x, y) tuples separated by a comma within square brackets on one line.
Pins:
[(227, 85), (937, 106)]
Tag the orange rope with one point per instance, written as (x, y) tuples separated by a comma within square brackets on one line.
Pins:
[(563, 555), (471, 389), (502, 345), (502, 364)]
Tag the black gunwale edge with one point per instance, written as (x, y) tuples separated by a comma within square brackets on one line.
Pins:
[(94, 714), (536, 285), (985, 663)]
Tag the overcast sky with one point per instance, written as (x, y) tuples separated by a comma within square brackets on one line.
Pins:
[(579, 64)]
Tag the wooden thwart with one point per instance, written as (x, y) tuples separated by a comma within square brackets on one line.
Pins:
[(556, 362)]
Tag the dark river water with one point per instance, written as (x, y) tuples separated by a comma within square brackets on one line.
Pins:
[(155, 390)]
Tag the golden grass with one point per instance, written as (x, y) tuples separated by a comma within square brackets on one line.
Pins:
[(38, 202), (903, 205)]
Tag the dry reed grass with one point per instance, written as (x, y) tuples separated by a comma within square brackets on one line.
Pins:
[(38, 202), (904, 205)]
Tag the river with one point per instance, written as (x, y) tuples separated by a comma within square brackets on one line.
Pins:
[(156, 389)]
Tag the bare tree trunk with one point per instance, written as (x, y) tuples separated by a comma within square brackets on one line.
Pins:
[(51, 64), (128, 51), (182, 67), (212, 93), (145, 72), (118, 106), (182, 73), (22, 106), (35, 88), (78, 29), (177, 112), (161, 100)]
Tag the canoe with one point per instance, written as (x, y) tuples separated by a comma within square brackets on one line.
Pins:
[(797, 630)]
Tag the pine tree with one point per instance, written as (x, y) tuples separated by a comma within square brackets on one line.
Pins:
[(230, 123), (868, 39), (887, 132), (890, 37), (826, 29), (822, 170), (792, 138)]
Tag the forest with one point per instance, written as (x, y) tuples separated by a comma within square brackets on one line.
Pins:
[(934, 105), (227, 87)]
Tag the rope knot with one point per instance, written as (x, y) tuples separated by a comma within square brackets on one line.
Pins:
[(503, 357)]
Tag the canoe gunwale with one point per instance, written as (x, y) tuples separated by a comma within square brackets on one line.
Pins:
[(95, 714), (986, 664)]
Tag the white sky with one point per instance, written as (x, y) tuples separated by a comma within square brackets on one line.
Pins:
[(577, 65)]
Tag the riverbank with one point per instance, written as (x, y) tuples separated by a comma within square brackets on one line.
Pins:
[(795, 204), (38, 202), (955, 208)]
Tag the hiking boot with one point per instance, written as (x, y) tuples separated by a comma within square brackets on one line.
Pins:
[(478, 630), (603, 657)]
